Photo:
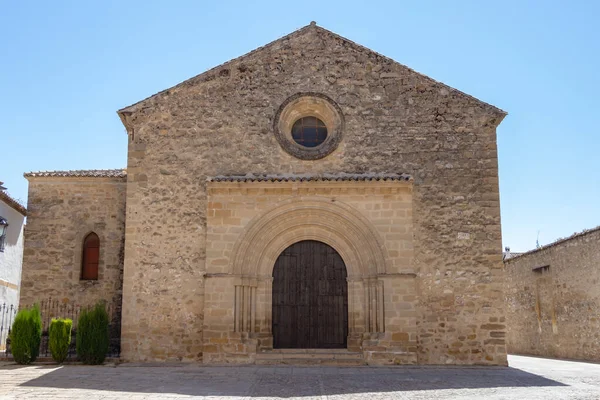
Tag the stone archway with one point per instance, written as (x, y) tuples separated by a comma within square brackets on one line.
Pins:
[(331, 222), (319, 219)]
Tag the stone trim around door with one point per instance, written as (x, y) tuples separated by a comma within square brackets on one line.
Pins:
[(368, 223)]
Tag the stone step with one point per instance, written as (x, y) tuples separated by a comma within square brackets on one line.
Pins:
[(324, 356), (310, 351), (311, 361), (310, 357)]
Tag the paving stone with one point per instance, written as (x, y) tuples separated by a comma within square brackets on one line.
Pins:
[(526, 378)]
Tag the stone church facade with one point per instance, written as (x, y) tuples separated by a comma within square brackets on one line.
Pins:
[(309, 194)]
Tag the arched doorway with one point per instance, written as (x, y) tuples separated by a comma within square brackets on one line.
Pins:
[(310, 297)]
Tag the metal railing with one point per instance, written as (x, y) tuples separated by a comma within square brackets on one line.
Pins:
[(7, 316)]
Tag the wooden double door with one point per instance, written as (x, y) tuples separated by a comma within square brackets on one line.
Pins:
[(310, 297)]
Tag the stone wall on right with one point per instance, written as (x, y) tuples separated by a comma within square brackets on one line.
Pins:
[(553, 299)]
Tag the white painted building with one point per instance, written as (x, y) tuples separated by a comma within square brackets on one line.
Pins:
[(12, 221)]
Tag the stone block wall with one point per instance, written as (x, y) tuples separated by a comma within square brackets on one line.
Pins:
[(63, 210), (250, 223), (395, 121), (553, 299)]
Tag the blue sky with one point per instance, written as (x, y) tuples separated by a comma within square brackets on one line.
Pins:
[(67, 66)]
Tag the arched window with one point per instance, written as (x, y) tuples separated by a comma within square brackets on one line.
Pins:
[(90, 257)]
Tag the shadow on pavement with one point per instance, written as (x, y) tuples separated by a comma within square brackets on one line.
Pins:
[(284, 381)]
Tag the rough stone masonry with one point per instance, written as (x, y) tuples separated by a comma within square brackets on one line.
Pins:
[(553, 299), (404, 188)]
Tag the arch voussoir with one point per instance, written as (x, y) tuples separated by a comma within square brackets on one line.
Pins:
[(333, 223)]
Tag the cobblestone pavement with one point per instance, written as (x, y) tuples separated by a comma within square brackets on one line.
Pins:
[(527, 378)]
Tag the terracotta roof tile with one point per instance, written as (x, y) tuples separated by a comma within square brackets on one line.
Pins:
[(87, 173), (13, 203), (309, 178)]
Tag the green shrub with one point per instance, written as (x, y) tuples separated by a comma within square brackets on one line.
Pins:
[(36, 318), (92, 335), (60, 338), (26, 335)]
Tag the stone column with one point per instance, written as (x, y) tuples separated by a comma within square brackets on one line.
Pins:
[(264, 310), (355, 313)]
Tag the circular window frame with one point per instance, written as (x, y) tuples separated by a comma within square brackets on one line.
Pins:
[(308, 104)]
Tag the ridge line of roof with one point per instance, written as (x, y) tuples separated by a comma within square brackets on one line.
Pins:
[(364, 48), (79, 173), (271, 43), (296, 32)]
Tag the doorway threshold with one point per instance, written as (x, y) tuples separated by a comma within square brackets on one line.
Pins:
[(339, 357)]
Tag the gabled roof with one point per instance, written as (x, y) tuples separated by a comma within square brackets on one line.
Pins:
[(132, 108), (80, 173), (12, 202)]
